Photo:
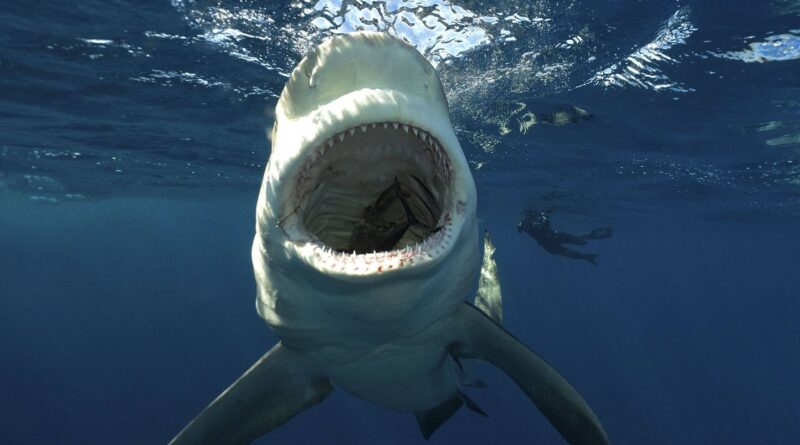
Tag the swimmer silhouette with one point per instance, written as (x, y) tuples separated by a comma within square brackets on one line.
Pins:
[(538, 226)]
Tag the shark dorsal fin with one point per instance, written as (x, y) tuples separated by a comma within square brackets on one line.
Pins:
[(489, 298)]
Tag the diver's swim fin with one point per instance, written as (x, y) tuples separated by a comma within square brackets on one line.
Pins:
[(275, 389), (478, 336)]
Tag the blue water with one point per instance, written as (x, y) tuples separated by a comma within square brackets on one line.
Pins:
[(133, 141)]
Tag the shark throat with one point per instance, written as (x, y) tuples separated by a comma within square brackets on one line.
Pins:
[(375, 196)]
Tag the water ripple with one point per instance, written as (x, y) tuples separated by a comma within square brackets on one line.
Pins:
[(642, 68), (437, 28)]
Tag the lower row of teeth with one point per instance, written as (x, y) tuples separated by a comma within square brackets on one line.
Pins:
[(383, 261)]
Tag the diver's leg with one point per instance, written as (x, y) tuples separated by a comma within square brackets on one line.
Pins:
[(603, 232), (567, 252), (567, 238)]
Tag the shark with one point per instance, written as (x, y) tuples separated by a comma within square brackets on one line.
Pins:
[(366, 255)]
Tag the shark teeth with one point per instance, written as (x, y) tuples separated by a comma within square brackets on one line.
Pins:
[(353, 263), (428, 149), (436, 153)]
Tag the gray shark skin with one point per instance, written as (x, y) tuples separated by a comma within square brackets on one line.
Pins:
[(363, 138)]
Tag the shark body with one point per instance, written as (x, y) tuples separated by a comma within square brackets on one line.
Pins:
[(362, 139)]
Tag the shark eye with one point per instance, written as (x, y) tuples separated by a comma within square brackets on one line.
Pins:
[(374, 188)]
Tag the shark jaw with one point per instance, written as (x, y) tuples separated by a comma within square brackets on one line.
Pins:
[(344, 177), (387, 146)]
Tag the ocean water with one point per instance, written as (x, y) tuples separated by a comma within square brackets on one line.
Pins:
[(133, 142)]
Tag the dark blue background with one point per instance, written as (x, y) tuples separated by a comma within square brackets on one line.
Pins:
[(121, 319)]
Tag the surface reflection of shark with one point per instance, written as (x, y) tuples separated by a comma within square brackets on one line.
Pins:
[(362, 122)]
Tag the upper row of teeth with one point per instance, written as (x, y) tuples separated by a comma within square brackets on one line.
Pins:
[(437, 152), (397, 126)]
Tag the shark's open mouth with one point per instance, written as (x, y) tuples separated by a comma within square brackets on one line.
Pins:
[(379, 189)]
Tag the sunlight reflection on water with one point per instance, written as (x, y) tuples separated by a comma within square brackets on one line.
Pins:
[(641, 68), (774, 48)]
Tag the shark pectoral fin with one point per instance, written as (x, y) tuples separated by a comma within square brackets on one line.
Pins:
[(275, 389), (477, 336), (489, 299), (430, 420)]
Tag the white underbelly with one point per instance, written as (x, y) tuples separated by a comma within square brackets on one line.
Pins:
[(408, 376)]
